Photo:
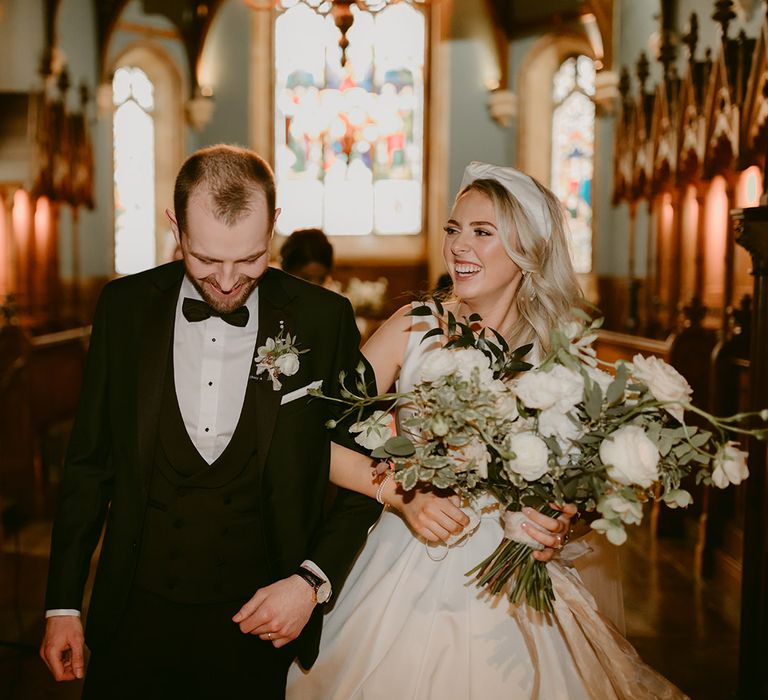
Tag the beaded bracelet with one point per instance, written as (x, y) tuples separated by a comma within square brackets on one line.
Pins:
[(380, 490)]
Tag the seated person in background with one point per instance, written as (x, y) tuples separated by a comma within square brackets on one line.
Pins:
[(307, 253)]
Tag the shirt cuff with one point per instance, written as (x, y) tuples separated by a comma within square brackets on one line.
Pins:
[(61, 612), (315, 569)]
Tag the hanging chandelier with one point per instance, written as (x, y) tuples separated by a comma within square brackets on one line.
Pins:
[(341, 11)]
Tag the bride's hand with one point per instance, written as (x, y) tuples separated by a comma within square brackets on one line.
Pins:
[(430, 515), (551, 532)]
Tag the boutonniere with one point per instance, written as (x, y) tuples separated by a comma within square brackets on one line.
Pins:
[(278, 357)]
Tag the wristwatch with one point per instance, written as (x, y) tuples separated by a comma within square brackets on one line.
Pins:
[(321, 587)]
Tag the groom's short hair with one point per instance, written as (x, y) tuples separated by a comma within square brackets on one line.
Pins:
[(231, 175)]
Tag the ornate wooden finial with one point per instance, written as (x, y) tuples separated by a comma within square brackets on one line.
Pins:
[(643, 70), (723, 15), (85, 94), (63, 83), (624, 83), (691, 38)]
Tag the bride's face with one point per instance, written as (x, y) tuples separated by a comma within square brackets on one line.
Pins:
[(474, 253)]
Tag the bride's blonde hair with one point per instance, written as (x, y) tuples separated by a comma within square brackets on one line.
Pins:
[(549, 289)]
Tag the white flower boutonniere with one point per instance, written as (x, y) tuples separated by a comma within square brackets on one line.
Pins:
[(278, 357)]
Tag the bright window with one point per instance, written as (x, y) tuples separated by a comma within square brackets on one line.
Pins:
[(573, 146), (349, 140), (134, 170)]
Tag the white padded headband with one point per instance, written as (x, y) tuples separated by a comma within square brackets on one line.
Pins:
[(519, 185)]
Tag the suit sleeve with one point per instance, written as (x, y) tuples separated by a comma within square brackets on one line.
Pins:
[(346, 526), (86, 485)]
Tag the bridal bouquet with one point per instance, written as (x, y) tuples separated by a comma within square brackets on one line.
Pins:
[(483, 421)]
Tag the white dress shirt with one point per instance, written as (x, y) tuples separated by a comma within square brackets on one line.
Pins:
[(211, 364)]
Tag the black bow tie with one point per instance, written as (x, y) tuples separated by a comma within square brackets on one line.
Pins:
[(197, 310)]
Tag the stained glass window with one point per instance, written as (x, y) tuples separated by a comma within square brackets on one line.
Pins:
[(573, 145), (134, 170), (349, 143)]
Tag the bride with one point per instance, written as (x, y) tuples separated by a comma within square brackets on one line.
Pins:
[(408, 622)]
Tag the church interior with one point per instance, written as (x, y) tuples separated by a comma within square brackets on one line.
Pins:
[(649, 120)]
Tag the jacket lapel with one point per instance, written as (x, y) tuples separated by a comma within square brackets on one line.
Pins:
[(157, 337), (273, 300)]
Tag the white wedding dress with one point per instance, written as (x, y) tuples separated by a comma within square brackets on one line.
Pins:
[(410, 625)]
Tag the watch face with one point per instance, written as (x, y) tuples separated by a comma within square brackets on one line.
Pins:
[(323, 592)]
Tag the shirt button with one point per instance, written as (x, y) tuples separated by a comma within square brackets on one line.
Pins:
[(213, 340), (210, 383), (207, 429)]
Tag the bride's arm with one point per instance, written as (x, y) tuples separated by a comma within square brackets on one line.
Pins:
[(430, 515)]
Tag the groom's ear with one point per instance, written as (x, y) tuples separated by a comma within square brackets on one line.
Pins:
[(174, 225), (274, 221)]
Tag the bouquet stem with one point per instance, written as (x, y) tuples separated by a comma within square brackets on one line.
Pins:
[(514, 560)]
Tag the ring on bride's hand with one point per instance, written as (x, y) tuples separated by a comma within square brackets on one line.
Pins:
[(269, 636), (559, 539)]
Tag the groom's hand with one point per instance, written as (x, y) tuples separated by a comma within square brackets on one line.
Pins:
[(62, 647), (278, 612)]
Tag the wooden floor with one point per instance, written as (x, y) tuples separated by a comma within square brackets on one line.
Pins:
[(678, 626)]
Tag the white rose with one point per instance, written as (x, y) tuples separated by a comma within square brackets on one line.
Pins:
[(560, 386), (287, 364), (470, 359), (730, 466), (531, 459), (664, 382), (630, 456), (374, 431), (437, 365)]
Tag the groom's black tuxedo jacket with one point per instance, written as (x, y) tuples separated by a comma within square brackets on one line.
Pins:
[(110, 458)]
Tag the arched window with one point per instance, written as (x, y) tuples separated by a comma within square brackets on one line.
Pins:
[(134, 170), (349, 139), (573, 147)]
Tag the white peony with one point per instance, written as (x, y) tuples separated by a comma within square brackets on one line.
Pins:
[(730, 466), (559, 386), (630, 456), (470, 359), (437, 365), (287, 364), (664, 382), (555, 423), (374, 431), (531, 459)]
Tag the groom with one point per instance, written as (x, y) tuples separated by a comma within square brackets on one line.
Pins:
[(197, 443)]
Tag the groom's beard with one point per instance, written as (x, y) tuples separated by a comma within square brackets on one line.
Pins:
[(208, 287)]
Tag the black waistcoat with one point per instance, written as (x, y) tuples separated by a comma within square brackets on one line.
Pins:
[(202, 540)]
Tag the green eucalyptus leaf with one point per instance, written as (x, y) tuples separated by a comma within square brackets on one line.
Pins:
[(399, 446)]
